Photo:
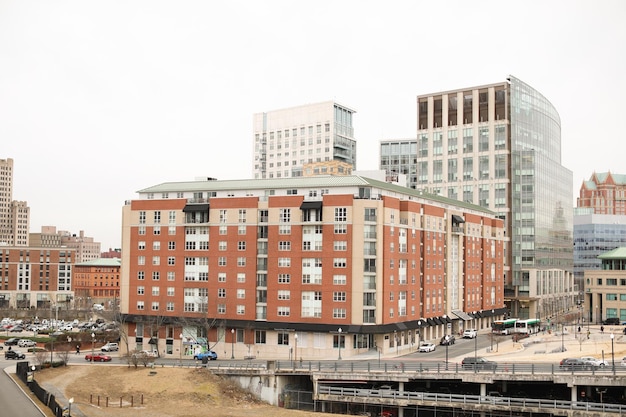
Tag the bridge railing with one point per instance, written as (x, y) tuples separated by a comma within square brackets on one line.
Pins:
[(414, 397)]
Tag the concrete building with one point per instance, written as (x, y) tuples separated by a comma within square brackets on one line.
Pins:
[(97, 282), (287, 139), (499, 146), (86, 248), (14, 215), (605, 288), (305, 267), (605, 193), (35, 277)]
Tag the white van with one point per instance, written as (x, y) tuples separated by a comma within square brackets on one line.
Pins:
[(98, 307)]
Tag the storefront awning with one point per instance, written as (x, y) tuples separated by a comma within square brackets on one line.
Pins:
[(462, 315), (195, 207), (457, 219)]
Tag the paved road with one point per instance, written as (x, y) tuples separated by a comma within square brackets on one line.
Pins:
[(14, 401)]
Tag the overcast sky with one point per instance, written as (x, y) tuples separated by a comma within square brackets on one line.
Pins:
[(99, 99)]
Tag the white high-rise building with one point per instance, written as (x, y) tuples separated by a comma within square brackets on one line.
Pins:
[(285, 140)]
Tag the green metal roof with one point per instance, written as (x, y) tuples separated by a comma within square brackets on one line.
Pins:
[(601, 177), (102, 262), (618, 253), (318, 181)]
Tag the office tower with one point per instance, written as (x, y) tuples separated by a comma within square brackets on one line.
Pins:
[(285, 140), (338, 261), (499, 146), (594, 235), (14, 215)]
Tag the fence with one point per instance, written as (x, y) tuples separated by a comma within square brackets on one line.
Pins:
[(24, 374)]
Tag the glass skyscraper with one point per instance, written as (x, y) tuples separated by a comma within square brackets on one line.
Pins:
[(499, 146)]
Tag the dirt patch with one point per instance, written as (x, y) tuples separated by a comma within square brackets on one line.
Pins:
[(165, 392)]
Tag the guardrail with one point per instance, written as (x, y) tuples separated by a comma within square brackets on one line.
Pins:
[(412, 397), (443, 367)]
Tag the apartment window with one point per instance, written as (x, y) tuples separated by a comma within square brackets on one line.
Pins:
[(284, 262), (171, 245), (156, 260), (223, 216), (284, 294), (221, 277), (155, 306), (156, 230), (339, 313), (141, 290), (141, 230), (241, 309), (221, 309), (284, 278), (223, 229), (140, 305), (141, 275), (285, 215), (156, 291), (241, 277), (283, 312), (341, 214), (156, 245), (242, 215), (339, 262), (339, 296), (171, 291), (284, 229), (241, 229), (221, 293), (241, 293), (222, 245), (171, 260), (221, 261), (169, 306), (141, 260), (241, 261), (142, 217), (340, 245), (141, 245), (339, 280), (171, 276), (341, 228), (284, 245), (370, 214), (156, 275), (241, 245)]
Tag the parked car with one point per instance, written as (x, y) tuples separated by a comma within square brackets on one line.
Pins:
[(595, 362), (110, 347), (447, 340), (478, 363), (612, 321), (209, 354), (14, 354), (624, 361), (427, 347), (575, 364), (11, 342), (97, 357), (17, 329), (26, 343), (470, 333)]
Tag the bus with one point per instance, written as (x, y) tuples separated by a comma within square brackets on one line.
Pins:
[(503, 326), (528, 326)]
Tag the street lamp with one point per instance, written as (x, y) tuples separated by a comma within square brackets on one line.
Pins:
[(476, 347), (93, 341), (180, 350), (612, 353), (419, 333), (295, 337), (339, 343), (447, 338), (562, 341), (69, 409), (232, 343)]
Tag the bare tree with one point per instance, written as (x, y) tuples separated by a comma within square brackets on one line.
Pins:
[(63, 355)]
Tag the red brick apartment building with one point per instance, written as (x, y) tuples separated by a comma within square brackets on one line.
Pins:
[(605, 193), (306, 267), (36, 278), (97, 282)]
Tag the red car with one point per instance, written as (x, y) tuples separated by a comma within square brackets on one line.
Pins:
[(98, 357)]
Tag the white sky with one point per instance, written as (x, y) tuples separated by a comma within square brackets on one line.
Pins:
[(99, 99)]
